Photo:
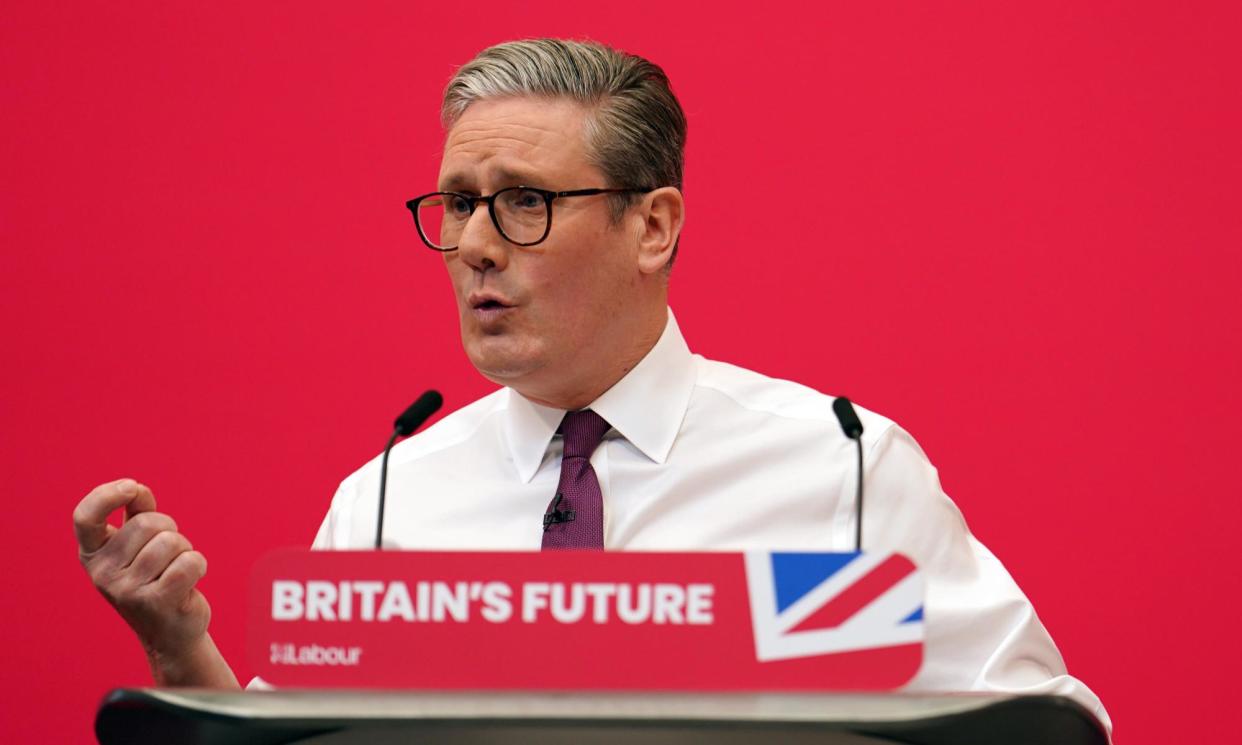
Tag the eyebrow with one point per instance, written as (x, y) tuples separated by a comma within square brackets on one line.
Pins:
[(503, 175)]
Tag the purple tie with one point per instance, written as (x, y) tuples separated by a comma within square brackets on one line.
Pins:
[(575, 518)]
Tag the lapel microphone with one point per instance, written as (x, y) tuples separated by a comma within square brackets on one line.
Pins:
[(557, 515)]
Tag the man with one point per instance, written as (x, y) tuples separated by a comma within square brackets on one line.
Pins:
[(557, 213)]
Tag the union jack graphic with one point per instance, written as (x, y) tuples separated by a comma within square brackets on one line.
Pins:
[(810, 604)]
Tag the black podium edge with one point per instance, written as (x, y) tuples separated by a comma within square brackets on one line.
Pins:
[(1024, 720)]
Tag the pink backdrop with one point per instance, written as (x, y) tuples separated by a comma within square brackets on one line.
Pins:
[(1015, 232)]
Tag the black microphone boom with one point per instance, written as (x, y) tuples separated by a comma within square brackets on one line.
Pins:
[(853, 429), (410, 420), (419, 411)]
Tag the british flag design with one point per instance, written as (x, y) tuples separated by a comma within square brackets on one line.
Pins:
[(812, 604)]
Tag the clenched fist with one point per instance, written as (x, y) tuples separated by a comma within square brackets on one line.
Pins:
[(148, 571)]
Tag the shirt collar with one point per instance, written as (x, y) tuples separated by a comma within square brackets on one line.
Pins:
[(646, 407)]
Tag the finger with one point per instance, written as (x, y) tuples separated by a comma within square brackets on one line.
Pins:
[(90, 517), (125, 544), (144, 502), (156, 556), (179, 578)]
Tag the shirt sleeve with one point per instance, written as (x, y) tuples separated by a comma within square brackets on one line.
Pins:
[(327, 538), (338, 531), (982, 634)]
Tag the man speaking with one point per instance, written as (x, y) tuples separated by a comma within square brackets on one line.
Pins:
[(557, 213)]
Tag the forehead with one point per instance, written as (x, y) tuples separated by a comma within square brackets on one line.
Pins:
[(535, 141)]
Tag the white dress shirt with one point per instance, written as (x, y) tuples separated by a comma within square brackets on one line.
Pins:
[(703, 456)]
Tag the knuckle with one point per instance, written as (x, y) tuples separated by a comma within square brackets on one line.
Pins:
[(189, 566), (148, 527), (146, 599), (197, 563), (162, 537), (166, 519), (141, 523), (153, 521), (124, 595), (171, 541), (158, 547)]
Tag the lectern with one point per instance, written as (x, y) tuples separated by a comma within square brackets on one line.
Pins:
[(320, 717), (610, 648)]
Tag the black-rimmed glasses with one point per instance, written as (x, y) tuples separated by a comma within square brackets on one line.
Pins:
[(522, 214)]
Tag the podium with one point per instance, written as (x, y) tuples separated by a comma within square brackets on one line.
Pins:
[(466, 648), (327, 717)]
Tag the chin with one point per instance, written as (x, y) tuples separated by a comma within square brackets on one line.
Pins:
[(499, 362)]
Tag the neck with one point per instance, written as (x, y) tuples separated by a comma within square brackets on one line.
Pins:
[(579, 392)]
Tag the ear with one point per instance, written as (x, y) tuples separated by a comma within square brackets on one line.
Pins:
[(662, 212)]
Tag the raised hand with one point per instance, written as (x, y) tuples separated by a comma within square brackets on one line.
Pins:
[(148, 571)]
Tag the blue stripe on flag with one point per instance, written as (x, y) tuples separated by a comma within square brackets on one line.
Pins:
[(794, 575), (917, 615)]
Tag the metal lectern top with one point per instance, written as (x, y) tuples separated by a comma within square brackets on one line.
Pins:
[(323, 717)]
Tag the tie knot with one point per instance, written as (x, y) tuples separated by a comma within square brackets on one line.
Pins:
[(583, 431)]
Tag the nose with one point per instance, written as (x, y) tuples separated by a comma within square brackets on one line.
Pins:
[(480, 244)]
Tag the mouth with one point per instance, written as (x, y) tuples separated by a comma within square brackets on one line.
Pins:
[(488, 308), (487, 301)]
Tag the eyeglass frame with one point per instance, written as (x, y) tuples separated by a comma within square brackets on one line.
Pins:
[(548, 195)]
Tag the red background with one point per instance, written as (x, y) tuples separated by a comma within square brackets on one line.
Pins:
[(1016, 232)]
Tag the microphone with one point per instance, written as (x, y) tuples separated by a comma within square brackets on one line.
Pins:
[(410, 420), (853, 429), (557, 515), (419, 411)]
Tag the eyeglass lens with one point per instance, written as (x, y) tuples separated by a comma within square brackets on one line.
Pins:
[(521, 213)]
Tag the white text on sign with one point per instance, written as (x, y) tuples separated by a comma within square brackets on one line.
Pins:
[(441, 602)]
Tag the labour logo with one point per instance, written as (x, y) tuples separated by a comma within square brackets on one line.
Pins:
[(806, 605)]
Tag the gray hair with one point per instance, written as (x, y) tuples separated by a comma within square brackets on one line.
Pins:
[(635, 128)]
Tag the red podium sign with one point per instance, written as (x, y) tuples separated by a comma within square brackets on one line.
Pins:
[(586, 620)]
